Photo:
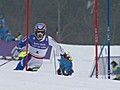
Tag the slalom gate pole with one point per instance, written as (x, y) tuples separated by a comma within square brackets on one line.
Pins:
[(108, 35), (54, 61), (96, 33), (98, 58), (104, 68), (27, 28)]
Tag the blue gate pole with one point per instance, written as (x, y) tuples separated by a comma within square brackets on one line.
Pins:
[(108, 35)]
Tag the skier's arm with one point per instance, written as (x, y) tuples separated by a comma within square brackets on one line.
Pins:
[(55, 45), (22, 43)]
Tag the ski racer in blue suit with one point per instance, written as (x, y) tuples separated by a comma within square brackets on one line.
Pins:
[(38, 46), (65, 65)]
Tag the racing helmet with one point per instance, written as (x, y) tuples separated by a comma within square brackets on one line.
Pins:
[(40, 28)]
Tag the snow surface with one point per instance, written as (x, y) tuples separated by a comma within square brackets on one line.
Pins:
[(46, 78)]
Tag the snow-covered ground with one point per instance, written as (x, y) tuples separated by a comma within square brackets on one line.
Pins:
[(46, 78)]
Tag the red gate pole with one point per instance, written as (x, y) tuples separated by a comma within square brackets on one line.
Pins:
[(27, 28), (96, 33)]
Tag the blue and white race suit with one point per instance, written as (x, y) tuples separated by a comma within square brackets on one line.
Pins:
[(37, 50)]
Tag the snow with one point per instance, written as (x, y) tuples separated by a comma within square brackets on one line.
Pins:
[(46, 78)]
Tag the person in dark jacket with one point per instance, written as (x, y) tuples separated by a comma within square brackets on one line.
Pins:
[(116, 70), (65, 67)]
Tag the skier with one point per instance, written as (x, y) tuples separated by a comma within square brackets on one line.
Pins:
[(38, 45), (65, 67), (116, 70)]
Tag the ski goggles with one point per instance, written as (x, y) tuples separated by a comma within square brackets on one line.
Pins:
[(40, 31)]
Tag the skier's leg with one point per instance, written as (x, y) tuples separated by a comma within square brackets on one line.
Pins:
[(34, 64), (22, 63)]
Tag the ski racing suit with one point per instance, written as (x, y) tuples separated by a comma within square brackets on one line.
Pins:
[(37, 51)]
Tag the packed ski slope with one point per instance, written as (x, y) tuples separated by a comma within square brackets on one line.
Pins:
[(46, 78)]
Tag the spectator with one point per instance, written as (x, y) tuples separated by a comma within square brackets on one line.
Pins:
[(2, 31), (2, 19), (8, 31), (116, 70), (9, 37), (19, 37)]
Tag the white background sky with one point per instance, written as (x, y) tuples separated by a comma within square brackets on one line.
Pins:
[(46, 79)]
